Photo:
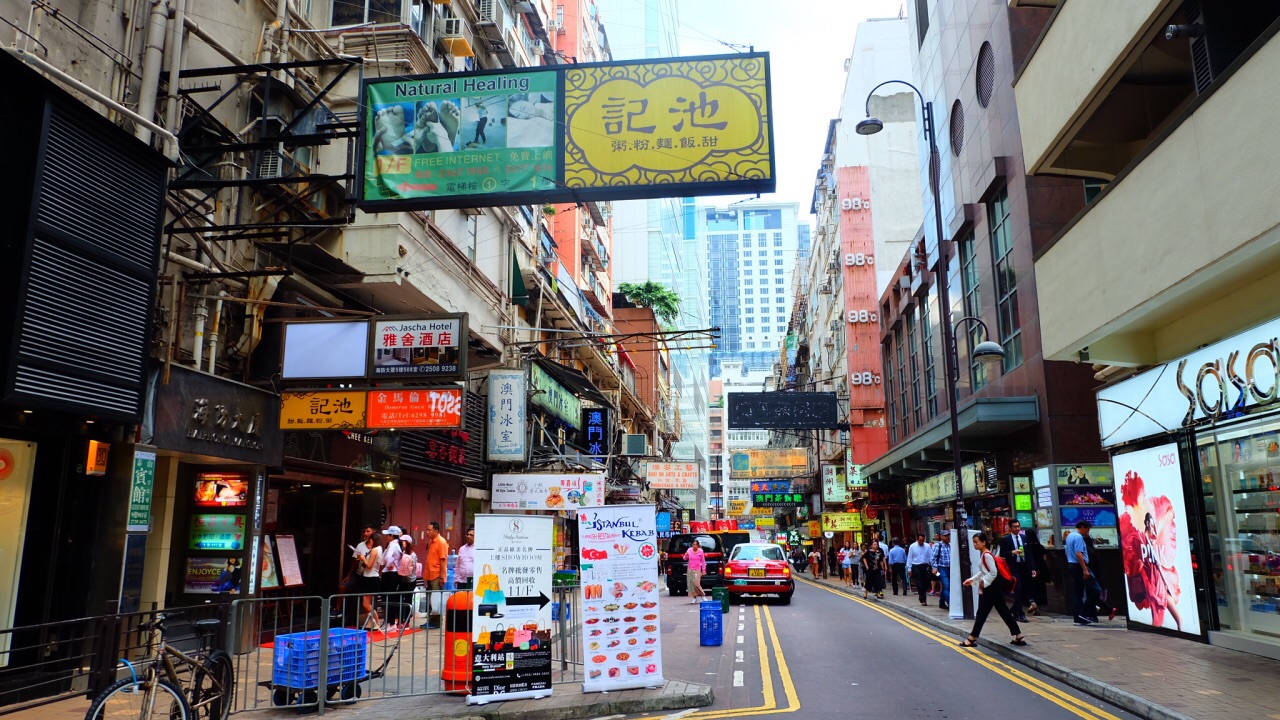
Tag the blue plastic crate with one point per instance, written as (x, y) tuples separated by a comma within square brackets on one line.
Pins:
[(710, 626), (296, 658)]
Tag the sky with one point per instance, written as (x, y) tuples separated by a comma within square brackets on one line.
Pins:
[(808, 41)]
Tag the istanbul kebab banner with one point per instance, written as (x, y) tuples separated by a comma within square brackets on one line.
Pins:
[(621, 640), (1154, 541), (510, 616)]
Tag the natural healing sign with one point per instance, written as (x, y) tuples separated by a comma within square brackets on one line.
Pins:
[(571, 133)]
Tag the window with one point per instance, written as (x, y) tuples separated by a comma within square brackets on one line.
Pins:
[(764, 318), (764, 291), (926, 340), (777, 239), (747, 282), (891, 405), (751, 345), (782, 328), (777, 262), (969, 284), (355, 12), (748, 291), (777, 281), (922, 21), (777, 271), (900, 349), (913, 348), (1010, 324), (746, 241), (777, 253), (746, 263), (750, 301)]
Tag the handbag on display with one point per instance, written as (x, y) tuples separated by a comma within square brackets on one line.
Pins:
[(487, 581), (483, 642), (510, 637), (497, 638), (522, 639)]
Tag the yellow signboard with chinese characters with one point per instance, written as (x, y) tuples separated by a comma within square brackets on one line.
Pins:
[(761, 511), (737, 507), (322, 410), (842, 522), (665, 122)]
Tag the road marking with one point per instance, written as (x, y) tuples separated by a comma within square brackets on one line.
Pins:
[(1076, 706), (609, 717), (737, 678), (739, 639), (676, 716), (740, 626), (740, 657)]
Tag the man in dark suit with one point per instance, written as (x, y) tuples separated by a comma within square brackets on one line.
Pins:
[(1013, 548)]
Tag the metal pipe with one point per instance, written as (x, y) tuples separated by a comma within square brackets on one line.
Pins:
[(202, 314), (213, 333), (211, 41), (176, 33), (170, 141), (282, 15), (152, 60)]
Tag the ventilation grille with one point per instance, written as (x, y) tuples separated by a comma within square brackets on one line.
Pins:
[(94, 192), (67, 389), (957, 128), (986, 79)]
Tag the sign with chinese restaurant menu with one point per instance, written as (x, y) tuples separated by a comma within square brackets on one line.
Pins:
[(621, 636), (511, 615), (547, 491), (568, 133)]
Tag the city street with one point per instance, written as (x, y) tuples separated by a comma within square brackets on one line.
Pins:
[(829, 654)]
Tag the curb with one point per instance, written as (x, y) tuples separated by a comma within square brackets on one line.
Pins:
[(693, 696), (1135, 704)]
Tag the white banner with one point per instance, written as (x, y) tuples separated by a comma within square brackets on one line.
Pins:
[(1160, 586), (508, 397), (672, 475), (621, 640), (511, 615), (547, 491)]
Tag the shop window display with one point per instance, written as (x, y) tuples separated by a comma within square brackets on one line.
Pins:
[(1240, 479)]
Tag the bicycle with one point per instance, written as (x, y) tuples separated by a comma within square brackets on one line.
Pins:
[(159, 693)]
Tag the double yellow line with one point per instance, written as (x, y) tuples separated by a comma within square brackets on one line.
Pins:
[(1061, 698), (770, 704)]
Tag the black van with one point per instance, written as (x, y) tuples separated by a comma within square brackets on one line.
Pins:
[(677, 568)]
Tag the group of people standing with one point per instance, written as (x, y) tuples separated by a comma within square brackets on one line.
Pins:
[(871, 566), (386, 562)]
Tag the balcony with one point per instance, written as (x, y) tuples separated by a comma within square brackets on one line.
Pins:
[(405, 46), (1184, 248)]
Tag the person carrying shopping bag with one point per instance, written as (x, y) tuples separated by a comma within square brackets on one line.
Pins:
[(993, 582)]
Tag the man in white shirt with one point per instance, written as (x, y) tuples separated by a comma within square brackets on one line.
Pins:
[(391, 559), (464, 571), (918, 557)]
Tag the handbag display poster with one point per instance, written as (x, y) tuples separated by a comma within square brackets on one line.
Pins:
[(622, 641), (511, 614)]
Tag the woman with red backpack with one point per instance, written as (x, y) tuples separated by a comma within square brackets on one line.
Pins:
[(994, 579)]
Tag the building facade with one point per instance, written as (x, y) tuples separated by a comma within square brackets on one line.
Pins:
[(1181, 290)]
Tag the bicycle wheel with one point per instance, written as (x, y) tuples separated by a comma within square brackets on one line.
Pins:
[(213, 688), (126, 700)]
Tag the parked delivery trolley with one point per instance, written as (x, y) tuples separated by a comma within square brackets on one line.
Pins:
[(295, 667)]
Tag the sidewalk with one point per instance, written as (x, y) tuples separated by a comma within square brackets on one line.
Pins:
[(1150, 675)]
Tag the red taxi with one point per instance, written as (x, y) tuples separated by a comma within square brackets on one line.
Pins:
[(758, 569)]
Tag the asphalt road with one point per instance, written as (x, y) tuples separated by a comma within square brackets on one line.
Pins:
[(827, 655)]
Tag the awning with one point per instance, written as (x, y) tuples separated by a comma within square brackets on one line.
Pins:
[(519, 293), (574, 381), (929, 452)]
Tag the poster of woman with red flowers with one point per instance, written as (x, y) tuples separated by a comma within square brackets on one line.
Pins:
[(1153, 539)]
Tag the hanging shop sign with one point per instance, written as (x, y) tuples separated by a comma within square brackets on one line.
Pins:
[(764, 523), (1154, 540), (568, 133), (619, 554), (595, 432), (323, 410), (771, 486), (506, 418), (202, 414), (751, 464), (737, 507), (834, 487), (777, 500), (1218, 381), (141, 481), (761, 511), (425, 348), (842, 522), (95, 462), (664, 525), (672, 475), (457, 453), (415, 408), (554, 397), (547, 491), (780, 410), (510, 616), (853, 475)]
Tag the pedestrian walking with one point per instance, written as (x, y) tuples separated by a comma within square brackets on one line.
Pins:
[(697, 565), (465, 571), (833, 560), (435, 570), (1013, 547), (898, 566), (1084, 583), (1039, 592), (815, 562), (873, 569), (991, 589), (940, 562), (798, 559), (857, 551), (918, 557), (846, 562)]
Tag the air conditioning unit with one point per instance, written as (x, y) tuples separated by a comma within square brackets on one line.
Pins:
[(489, 11), (547, 258), (825, 288), (538, 49), (270, 165), (635, 445), (835, 326)]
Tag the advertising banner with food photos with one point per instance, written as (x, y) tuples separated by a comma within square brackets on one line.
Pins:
[(511, 613), (547, 491), (621, 639)]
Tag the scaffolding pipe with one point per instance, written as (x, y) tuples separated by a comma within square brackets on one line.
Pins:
[(176, 34), (213, 332), (212, 42), (202, 314)]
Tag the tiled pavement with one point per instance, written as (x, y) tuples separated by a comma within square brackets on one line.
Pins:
[(1147, 674)]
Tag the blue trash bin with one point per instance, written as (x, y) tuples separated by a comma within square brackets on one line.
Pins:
[(712, 628)]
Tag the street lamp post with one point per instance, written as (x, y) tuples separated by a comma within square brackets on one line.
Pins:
[(990, 350)]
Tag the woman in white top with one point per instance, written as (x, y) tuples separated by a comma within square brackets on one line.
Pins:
[(991, 590), (370, 577)]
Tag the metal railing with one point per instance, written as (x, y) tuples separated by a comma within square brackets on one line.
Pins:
[(403, 656), (45, 663)]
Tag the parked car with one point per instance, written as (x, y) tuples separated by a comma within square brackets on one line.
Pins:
[(677, 569), (758, 569)]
